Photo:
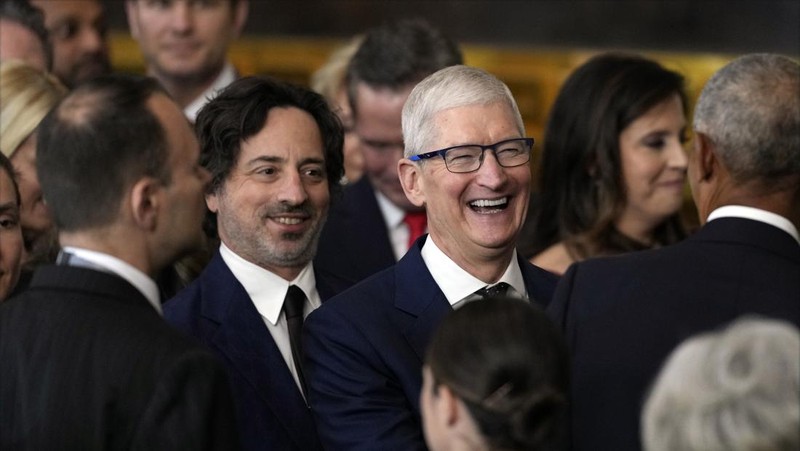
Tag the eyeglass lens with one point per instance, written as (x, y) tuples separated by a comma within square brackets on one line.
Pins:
[(469, 158)]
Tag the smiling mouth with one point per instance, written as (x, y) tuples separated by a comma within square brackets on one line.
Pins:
[(288, 221), (489, 206)]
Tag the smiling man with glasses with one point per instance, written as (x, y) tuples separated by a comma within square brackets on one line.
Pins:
[(364, 348)]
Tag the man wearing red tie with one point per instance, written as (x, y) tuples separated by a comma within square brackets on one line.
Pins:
[(374, 224)]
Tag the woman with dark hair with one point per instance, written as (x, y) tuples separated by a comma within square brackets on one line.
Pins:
[(613, 168), (495, 377)]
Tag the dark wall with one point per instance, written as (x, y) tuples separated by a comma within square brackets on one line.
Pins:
[(727, 26)]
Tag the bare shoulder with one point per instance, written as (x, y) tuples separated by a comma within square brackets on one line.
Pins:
[(555, 259)]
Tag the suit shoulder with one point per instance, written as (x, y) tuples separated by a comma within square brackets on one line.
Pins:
[(372, 293)]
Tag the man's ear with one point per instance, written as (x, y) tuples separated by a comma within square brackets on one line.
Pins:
[(705, 160), (411, 178), (240, 17), (212, 202), (145, 197), (133, 18)]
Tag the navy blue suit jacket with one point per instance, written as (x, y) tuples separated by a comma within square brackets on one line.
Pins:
[(271, 412), (623, 315), (355, 241), (364, 353)]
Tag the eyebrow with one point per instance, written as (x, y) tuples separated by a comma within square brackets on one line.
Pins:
[(9, 206), (270, 159)]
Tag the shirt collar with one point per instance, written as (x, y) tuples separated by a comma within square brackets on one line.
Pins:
[(392, 214), (131, 274), (456, 283), (226, 77), (266, 289), (756, 214)]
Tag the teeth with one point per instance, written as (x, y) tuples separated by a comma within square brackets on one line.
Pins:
[(288, 221), (482, 203)]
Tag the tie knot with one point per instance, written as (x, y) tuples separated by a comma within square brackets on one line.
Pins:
[(495, 290), (293, 303)]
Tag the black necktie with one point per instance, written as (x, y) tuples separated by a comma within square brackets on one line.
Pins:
[(293, 308), (495, 290)]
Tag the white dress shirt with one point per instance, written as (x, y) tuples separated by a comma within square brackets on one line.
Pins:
[(457, 284), (756, 214), (398, 230), (226, 77), (267, 291), (135, 277)]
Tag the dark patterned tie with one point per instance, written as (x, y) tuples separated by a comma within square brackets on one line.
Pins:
[(293, 308), (495, 290)]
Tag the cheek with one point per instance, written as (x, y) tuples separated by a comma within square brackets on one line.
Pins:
[(638, 173), (320, 197)]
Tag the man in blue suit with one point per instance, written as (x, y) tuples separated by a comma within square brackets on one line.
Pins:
[(466, 161), (623, 316), (374, 224), (275, 155)]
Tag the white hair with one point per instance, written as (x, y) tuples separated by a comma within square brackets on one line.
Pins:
[(737, 389), (452, 87), (751, 111)]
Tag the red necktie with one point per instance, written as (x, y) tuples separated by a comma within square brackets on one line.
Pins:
[(416, 221)]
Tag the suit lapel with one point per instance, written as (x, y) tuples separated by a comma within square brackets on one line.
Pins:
[(245, 341), (364, 216), (418, 295)]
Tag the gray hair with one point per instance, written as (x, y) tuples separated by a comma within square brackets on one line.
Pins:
[(737, 389), (750, 109), (452, 87)]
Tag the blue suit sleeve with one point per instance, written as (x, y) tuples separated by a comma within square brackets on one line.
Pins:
[(358, 402)]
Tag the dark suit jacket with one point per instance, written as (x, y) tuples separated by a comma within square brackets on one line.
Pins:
[(355, 242), (216, 309), (365, 349), (87, 363), (623, 315)]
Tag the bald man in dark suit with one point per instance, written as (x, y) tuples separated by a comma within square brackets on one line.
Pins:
[(88, 362)]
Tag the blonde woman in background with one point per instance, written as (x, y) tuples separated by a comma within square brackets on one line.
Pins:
[(26, 96), (330, 81), (736, 389)]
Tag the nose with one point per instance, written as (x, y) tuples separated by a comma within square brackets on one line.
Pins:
[(293, 191), (676, 157), (181, 16), (92, 40), (491, 174)]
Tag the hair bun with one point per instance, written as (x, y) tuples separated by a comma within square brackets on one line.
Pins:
[(539, 418)]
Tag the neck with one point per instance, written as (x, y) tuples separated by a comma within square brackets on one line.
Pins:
[(637, 229), (285, 273), (764, 196), (488, 266), (185, 90), (104, 240)]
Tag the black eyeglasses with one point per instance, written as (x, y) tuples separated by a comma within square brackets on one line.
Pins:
[(469, 158)]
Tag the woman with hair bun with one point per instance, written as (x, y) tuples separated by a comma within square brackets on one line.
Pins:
[(495, 378)]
